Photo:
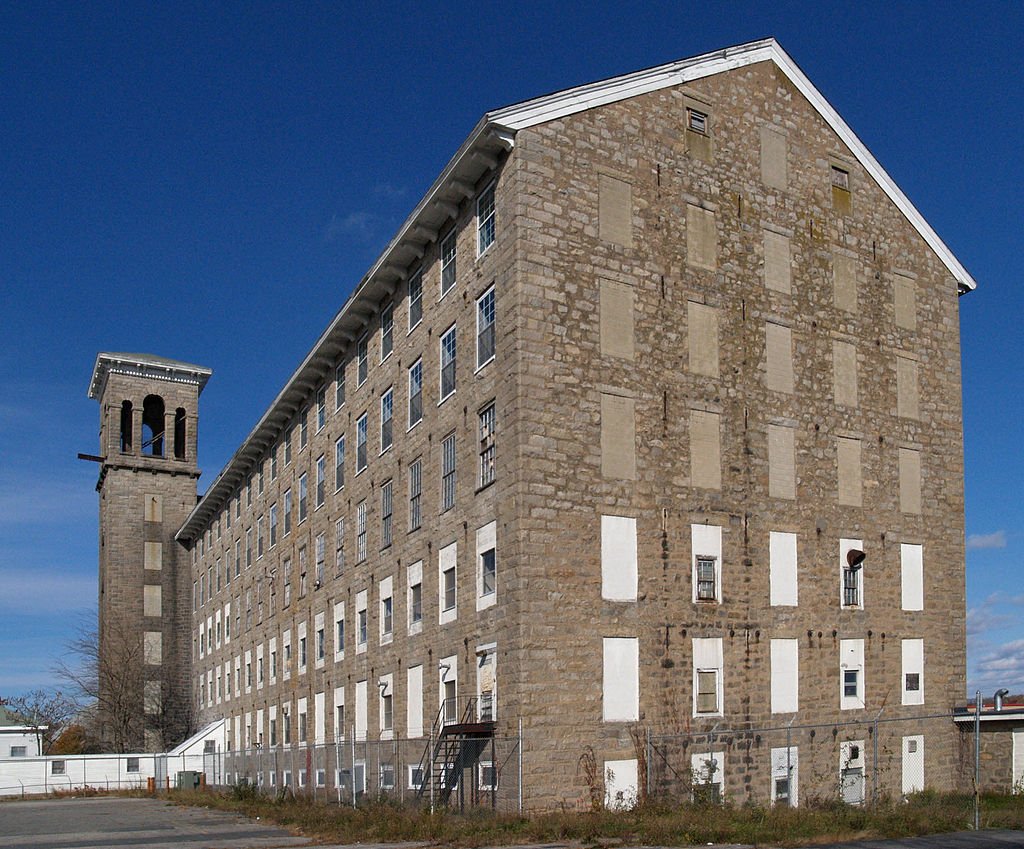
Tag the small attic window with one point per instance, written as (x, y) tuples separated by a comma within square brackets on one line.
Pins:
[(840, 178), (697, 121)]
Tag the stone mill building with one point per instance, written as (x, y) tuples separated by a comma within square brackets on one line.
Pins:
[(647, 417)]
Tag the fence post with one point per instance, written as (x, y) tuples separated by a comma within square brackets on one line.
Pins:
[(977, 760), (874, 760), (520, 749), (352, 769), (647, 763)]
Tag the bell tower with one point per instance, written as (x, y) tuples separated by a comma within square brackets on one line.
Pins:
[(149, 409)]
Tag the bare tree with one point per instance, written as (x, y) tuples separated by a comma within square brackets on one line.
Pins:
[(46, 712), (110, 680)]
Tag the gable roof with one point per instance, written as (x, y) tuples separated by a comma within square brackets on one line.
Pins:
[(481, 152), (551, 107)]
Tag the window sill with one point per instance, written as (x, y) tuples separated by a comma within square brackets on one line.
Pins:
[(413, 425), (446, 397), (484, 364), (482, 487)]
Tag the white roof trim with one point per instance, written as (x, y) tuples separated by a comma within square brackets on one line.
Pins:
[(554, 106)]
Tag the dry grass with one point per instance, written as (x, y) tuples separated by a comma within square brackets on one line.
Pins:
[(655, 823)]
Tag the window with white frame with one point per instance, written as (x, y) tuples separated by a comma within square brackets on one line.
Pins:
[(415, 494), (286, 569), (387, 712), (447, 560), (487, 567), (304, 428), (913, 672), (273, 477), (387, 610), (361, 432), (415, 300), (321, 480), (303, 497), (286, 508), (303, 565), (320, 549), (386, 510), (339, 633), (287, 461), (447, 263), (339, 545), (361, 531), (415, 392), (362, 634), (448, 472), (447, 348), (339, 387), (321, 408), (707, 676), (387, 331), (387, 403), (339, 463), (487, 420), (362, 361), (705, 575), (485, 333), (273, 525), (414, 596), (485, 220)]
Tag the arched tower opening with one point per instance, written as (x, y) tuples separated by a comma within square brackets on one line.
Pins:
[(153, 426), (126, 427)]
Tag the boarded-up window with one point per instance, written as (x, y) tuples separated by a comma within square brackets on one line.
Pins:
[(844, 280), (779, 357), (705, 450), (910, 480), (844, 373), (777, 263), (618, 437), (702, 325), (154, 508), (782, 569), (701, 238), (621, 702), (912, 576), (615, 210), (773, 158), (618, 558), (153, 555), (785, 676), (848, 462), (906, 302), (151, 600), (152, 698), (907, 405), (913, 672), (781, 462), (617, 306)]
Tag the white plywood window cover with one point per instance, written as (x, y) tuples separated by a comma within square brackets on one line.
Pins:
[(708, 657), (845, 547), (785, 675), (912, 685), (851, 659), (783, 586), (486, 540), (360, 710), (785, 765), (414, 701), (618, 558), (913, 764), (912, 576), (319, 723), (621, 701)]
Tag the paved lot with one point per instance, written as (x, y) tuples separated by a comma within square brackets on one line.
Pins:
[(127, 823), (153, 824)]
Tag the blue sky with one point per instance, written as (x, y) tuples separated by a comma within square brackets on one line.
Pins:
[(208, 181)]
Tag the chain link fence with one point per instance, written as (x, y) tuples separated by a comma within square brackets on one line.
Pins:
[(856, 762), (443, 771)]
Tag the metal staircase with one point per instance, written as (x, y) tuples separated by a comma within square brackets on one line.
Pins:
[(455, 745)]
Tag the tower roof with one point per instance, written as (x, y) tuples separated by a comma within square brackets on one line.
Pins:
[(148, 366)]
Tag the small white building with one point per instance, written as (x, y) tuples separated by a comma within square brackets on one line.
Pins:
[(18, 740)]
